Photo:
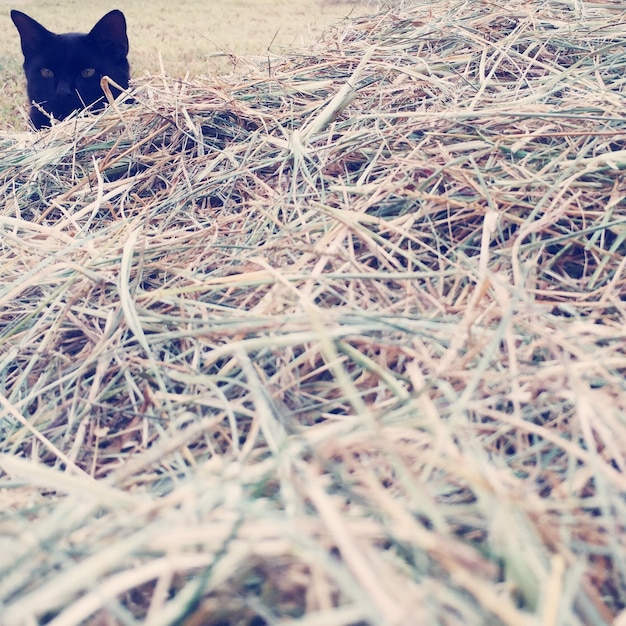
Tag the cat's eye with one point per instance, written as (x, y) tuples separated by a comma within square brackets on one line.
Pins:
[(46, 73), (88, 72)]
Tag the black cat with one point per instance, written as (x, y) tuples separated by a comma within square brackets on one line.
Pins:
[(63, 72)]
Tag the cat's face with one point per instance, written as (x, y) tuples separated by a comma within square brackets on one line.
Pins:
[(63, 72)]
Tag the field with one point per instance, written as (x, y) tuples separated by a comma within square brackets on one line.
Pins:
[(184, 39), (332, 338)]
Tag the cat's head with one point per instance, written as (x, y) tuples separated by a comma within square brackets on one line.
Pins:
[(63, 72)]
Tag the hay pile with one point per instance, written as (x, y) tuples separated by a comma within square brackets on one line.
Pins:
[(338, 340)]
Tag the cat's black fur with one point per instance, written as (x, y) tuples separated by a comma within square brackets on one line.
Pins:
[(63, 72)]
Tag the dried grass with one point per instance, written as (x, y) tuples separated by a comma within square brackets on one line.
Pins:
[(338, 340)]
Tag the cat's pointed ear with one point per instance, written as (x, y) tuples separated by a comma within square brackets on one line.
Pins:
[(109, 34), (32, 34)]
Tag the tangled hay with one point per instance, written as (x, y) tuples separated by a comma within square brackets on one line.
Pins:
[(338, 340)]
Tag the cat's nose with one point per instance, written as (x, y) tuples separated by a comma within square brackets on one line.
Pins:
[(63, 89)]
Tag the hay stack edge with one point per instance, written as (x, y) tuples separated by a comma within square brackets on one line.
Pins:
[(335, 340)]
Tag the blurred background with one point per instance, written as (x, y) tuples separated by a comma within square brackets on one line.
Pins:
[(182, 39)]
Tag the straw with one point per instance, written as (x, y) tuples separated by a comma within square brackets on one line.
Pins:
[(335, 340)]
